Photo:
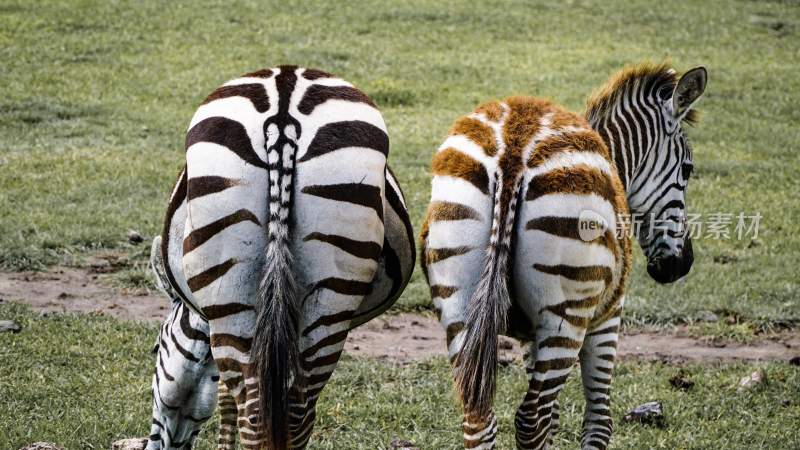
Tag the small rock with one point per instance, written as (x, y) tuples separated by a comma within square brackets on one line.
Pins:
[(388, 326), (42, 446), (129, 444), (401, 444), (356, 347), (134, 237), (651, 413), (681, 381), (795, 361), (752, 380), (100, 265), (13, 327), (708, 316)]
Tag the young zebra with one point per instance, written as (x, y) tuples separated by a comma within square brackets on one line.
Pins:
[(520, 239), (285, 230)]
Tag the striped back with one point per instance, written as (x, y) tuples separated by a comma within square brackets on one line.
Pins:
[(640, 115)]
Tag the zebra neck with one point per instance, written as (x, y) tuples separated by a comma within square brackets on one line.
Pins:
[(628, 140)]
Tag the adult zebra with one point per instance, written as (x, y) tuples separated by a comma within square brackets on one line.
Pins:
[(525, 200), (285, 230)]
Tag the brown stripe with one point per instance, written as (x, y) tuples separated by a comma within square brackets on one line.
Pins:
[(451, 162), (227, 133), (314, 74), (440, 291), (256, 93), (434, 255), (213, 312), (200, 235), (491, 110), (263, 73), (209, 275), (359, 249), (446, 211), (477, 132), (319, 94), (568, 227), (560, 341), (345, 287), (206, 185), (361, 194), (577, 273), (229, 340), (543, 366), (580, 179), (338, 135), (582, 141), (326, 321), (523, 122), (229, 365), (452, 330)]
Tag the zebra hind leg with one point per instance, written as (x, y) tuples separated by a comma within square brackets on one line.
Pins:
[(228, 414), (597, 363), (185, 381), (556, 351)]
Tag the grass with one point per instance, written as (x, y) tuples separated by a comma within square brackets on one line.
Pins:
[(93, 388), (97, 96)]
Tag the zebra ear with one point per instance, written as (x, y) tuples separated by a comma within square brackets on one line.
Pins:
[(688, 90)]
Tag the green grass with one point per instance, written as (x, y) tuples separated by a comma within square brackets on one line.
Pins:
[(97, 96), (93, 388)]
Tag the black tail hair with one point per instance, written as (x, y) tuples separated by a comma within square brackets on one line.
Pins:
[(487, 309), (275, 349)]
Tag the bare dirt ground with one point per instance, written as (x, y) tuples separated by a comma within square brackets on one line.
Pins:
[(400, 338)]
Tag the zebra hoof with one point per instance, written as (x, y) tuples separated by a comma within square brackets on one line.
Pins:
[(130, 444)]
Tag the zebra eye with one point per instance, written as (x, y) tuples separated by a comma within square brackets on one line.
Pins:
[(686, 170)]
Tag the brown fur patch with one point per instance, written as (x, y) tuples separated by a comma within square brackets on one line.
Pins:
[(491, 110), (577, 273), (579, 179), (454, 163), (584, 141), (263, 73), (523, 122), (477, 132), (440, 291), (452, 330), (567, 227), (447, 211), (434, 255)]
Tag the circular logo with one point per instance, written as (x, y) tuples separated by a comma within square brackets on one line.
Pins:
[(591, 225)]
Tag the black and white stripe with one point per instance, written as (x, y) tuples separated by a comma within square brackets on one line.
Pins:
[(286, 177)]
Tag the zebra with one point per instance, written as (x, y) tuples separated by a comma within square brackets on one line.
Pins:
[(182, 405), (527, 235), (285, 230)]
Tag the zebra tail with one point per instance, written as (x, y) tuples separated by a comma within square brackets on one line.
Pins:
[(487, 309), (275, 350)]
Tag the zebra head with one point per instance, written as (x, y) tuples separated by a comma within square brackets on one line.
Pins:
[(640, 115), (657, 188)]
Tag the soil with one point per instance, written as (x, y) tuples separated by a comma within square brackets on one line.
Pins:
[(398, 339)]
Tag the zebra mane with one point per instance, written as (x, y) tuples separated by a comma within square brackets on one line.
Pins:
[(650, 75)]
